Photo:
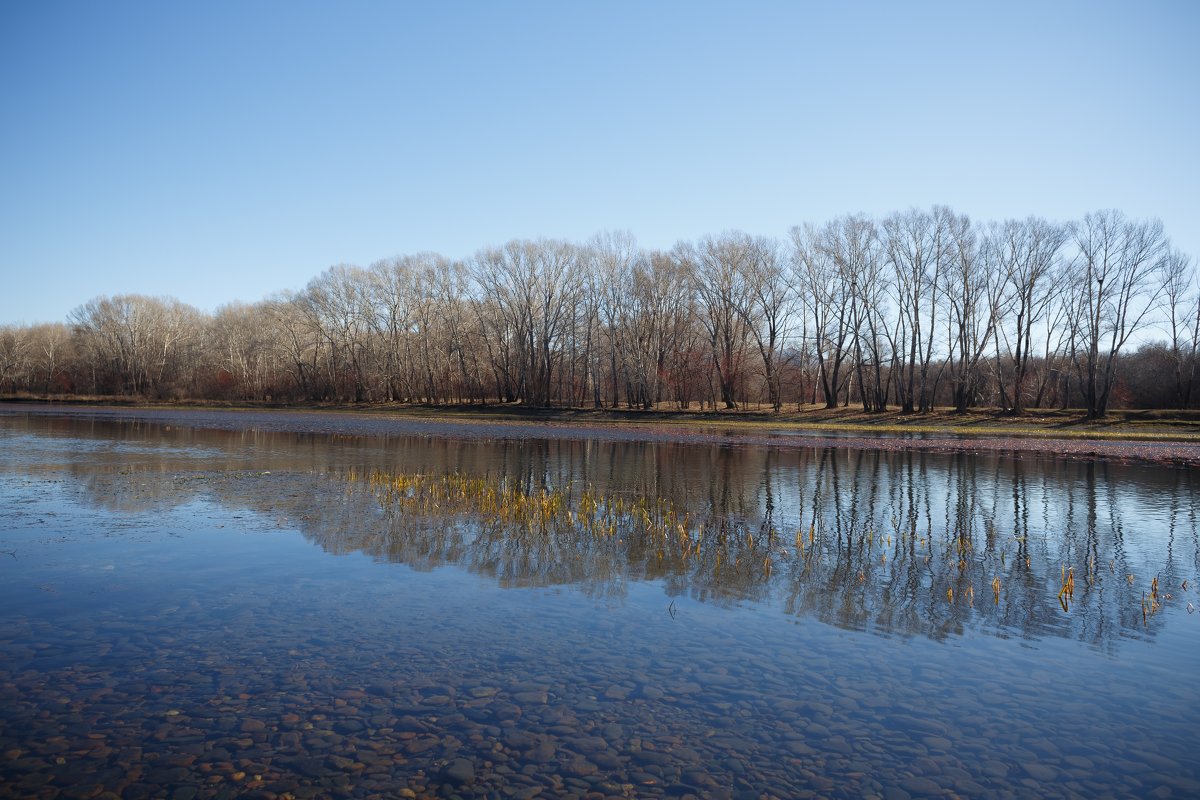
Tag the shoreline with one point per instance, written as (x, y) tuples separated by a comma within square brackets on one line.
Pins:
[(1152, 447), (1131, 424)]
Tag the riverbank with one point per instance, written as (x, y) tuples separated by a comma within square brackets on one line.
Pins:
[(1067, 424), (1131, 444)]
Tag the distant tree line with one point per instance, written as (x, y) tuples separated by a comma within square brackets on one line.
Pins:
[(919, 309)]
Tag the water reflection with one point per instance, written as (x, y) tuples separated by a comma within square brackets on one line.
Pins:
[(909, 543)]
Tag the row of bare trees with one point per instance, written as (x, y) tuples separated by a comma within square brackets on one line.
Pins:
[(919, 309)]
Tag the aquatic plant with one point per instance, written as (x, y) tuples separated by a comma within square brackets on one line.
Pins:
[(1067, 592), (846, 565)]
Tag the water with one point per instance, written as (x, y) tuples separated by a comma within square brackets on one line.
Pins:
[(247, 611)]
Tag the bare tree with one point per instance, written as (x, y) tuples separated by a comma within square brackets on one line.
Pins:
[(919, 308), (718, 266), (855, 254), (918, 247), (768, 310), (431, 339), (50, 351), (1116, 281), (828, 296), (1026, 253), (337, 300), (532, 286), (614, 257), (1182, 302), (298, 338), (241, 347), (449, 285), (656, 317), (972, 292), (136, 340), (14, 357), (392, 292)]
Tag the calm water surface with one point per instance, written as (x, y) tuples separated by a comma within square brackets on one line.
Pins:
[(190, 612)]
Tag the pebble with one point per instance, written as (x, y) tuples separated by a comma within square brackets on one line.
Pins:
[(920, 786), (459, 772), (1040, 772)]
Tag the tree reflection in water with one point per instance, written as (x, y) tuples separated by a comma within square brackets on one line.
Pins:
[(886, 542), (893, 542)]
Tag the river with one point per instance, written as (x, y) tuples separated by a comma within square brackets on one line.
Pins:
[(209, 604)]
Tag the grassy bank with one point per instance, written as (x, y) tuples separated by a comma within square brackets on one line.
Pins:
[(1119, 425)]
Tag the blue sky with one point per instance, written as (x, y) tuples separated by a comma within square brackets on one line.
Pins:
[(224, 151)]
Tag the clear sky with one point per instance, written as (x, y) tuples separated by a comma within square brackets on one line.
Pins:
[(218, 151)]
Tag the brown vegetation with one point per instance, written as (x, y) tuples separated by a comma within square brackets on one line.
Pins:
[(918, 311)]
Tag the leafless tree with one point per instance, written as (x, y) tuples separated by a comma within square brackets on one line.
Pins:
[(718, 266), (298, 338), (392, 292), (337, 301), (1026, 254), (973, 297), (1116, 281), (768, 311), (449, 286), (918, 246), (1182, 301), (828, 296), (655, 319), (14, 357), (531, 287), (136, 340), (614, 257), (854, 254), (919, 308), (50, 353), (242, 345), (434, 286)]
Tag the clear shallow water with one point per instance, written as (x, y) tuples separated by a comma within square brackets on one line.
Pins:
[(230, 613)]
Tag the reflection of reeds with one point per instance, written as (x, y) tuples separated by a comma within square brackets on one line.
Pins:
[(572, 532), (1151, 604), (1067, 592), (571, 522), (545, 510)]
